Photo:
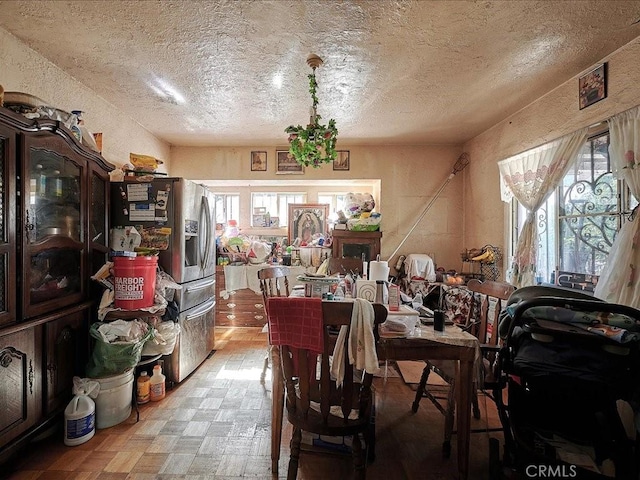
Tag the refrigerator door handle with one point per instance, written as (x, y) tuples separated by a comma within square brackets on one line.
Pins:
[(200, 286), (207, 243), (199, 311)]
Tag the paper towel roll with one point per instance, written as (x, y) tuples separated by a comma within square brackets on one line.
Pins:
[(378, 270)]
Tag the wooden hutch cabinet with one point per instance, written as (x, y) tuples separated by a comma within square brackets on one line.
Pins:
[(53, 237), (347, 243)]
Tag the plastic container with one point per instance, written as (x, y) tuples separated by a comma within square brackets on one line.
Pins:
[(113, 403), (135, 281), (157, 384), (394, 298), (406, 315), (232, 229), (79, 420), (143, 388)]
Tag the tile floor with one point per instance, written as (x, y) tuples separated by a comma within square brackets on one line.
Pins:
[(216, 425)]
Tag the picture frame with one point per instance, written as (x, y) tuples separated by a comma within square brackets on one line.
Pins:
[(592, 86), (260, 221), (258, 161), (342, 160), (307, 219), (286, 164)]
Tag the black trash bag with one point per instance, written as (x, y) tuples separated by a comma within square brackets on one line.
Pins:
[(171, 312)]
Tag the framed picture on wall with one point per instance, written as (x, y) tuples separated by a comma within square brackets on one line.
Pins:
[(286, 164), (592, 86), (342, 160), (258, 161), (307, 219)]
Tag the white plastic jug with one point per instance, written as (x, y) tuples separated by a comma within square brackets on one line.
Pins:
[(79, 420)]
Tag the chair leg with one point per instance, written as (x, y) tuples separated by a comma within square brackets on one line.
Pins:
[(421, 388), (296, 439), (370, 442), (448, 421), (265, 367), (359, 464), (474, 404)]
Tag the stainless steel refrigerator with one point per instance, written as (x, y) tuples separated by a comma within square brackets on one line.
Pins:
[(188, 209)]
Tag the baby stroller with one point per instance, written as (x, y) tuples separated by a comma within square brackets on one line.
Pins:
[(571, 366)]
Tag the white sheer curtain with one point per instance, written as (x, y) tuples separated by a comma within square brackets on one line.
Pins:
[(530, 177), (618, 282)]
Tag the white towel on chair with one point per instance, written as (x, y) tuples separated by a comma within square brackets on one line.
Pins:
[(362, 343)]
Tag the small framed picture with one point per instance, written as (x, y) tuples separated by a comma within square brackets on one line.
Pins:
[(342, 160), (592, 86), (258, 161), (286, 164), (260, 221)]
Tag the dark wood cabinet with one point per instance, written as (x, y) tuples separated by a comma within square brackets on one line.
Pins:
[(20, 382), (240, 308), (8, 275), (66, 346), (347, 243), (53, 236)]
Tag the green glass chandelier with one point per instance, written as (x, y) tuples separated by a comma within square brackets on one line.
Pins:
[(315, 144)]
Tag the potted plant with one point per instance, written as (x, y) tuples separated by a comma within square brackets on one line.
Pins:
[(314, 144)]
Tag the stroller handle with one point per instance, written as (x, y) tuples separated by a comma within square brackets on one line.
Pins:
[(568, 303)]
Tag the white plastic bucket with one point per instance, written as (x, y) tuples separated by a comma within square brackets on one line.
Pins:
[(113, 403), (79, 420)]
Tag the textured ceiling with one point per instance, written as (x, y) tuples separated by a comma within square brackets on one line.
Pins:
[(395, 72)]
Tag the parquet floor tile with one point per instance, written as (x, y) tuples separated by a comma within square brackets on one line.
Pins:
[(216, 424)]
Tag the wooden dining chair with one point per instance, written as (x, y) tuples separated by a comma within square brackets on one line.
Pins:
[(487, 300), (314, 401), (273, 283), (344, 266)]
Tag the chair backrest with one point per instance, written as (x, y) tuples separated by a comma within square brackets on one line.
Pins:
[(273, 283), (308, 379), (493, 296), (344, 265)]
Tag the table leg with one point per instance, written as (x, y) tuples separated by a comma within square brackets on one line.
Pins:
[(464, 387), (277, 407)]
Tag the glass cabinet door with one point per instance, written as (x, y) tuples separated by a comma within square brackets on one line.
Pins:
[(98, 209), (98, 225), (54, 197), (54, 273), (54, 232)]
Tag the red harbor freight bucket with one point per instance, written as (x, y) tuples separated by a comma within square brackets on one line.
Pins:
[(135, 281)]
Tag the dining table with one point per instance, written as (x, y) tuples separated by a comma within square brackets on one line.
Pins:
[(422, 343)]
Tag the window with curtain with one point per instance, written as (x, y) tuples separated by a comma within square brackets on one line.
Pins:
[(276, 204), (579, 221)]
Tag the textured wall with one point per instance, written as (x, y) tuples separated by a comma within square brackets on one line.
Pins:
[(552, 116), (23, 70), (410, 176)]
